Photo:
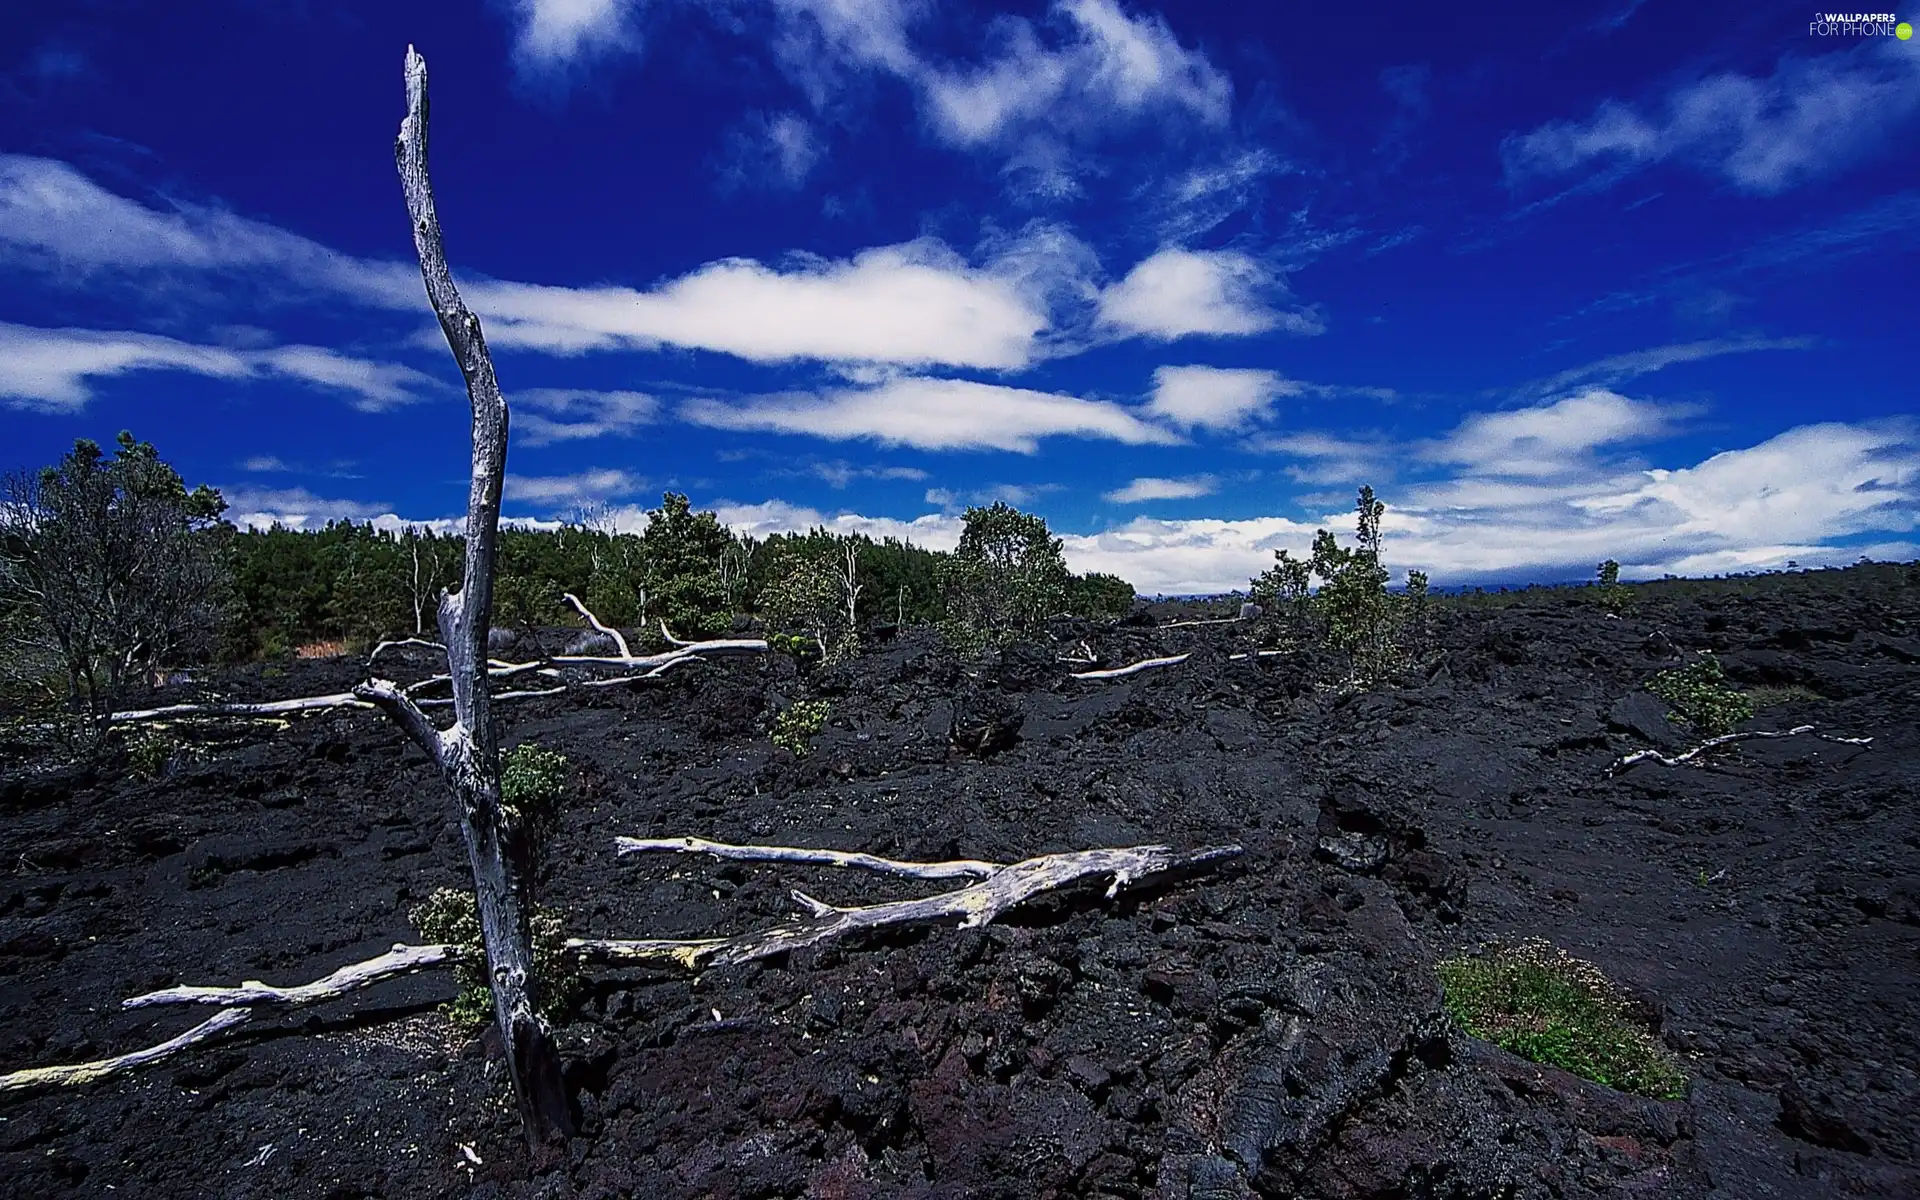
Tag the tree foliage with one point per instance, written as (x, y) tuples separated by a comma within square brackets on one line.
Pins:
[(109, 570), (1006, 577)]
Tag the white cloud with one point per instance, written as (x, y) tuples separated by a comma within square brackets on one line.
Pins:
[(839, 474), (1178, 292), (1018, 495), (1215, 397), (544, 416), (1329, 459), (295, 508), (1149, 488), (554, 32), (934, 414), (1552, 438), (51, 370), (916, 304), (265, 463), (55, 218), (1811, 117), (935, 531), (583, 487)]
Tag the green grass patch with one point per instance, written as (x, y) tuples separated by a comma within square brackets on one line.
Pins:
[(1537, 1001), (1768, 697)]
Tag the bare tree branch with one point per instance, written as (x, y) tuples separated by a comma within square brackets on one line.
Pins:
[(971, 906), (619, 642), (965, 868)]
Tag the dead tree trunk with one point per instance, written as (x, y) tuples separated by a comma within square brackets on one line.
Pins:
[(498, 850)]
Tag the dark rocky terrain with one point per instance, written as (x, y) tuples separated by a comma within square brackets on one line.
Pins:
[(1274, 1028)]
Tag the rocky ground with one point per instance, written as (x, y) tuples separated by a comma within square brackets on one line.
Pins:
[(1274, 1028)]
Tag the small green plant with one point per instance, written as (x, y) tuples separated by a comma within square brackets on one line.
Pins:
[(149, 754), (449, 916), (533, 781), (798, 722), (1539, 1002), (1698, 695), (1613, 596)]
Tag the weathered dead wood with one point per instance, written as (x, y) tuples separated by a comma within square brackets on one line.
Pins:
[(395, 643), (498, 851), (960, 868), (620, 642), (401, 960), (73, 1074), (680, 650), (271, 708), (1254, 654), (971, 906), (1133, 668), (1208, 621), (1676, 760)]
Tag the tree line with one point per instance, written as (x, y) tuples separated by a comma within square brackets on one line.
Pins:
[(113, 572)]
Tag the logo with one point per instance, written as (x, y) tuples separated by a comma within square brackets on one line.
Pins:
[(1837, 24)]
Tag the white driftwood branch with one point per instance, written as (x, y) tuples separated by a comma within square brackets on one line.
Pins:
[(680, 650), (272, 708), (619, 642), (396, 643), (87, 1072), (971, 906), (668, 634), (401, 960), (1132, 669), (1208, 621), (964, 868), (1254, 654), (1640, 756)]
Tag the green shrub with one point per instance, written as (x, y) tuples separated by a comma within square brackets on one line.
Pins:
[(533, 781), (1699, 696), (451, 917), (796, 723), (1537, 1001)]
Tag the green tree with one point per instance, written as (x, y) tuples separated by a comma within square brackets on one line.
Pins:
[(1006, 577), (681, 551), (1097, 594), (110, 567)]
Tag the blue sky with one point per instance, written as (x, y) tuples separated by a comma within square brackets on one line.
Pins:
[(1562, 282)]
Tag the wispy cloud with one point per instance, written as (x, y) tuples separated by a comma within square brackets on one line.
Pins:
[(840, 474), (935, 531), (56, 219), (1619, 368), (295, 508), (1811, 117), (1016, 494), (934, 414), (1149, 488), (52, 370), (775, 152), (596, 485), (544, 416)]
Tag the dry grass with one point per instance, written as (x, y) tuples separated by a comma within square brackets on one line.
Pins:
[(333, 649)]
